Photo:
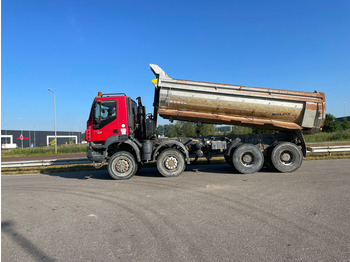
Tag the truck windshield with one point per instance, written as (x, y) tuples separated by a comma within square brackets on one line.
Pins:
[(105, 112)]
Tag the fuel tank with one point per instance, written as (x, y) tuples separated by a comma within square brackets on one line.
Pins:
[(204, 102)]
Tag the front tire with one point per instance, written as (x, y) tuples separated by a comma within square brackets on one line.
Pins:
[(286, 157), (247, 159), (122, 165), (171, 163)]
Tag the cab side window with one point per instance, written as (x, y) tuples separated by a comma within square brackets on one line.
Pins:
[(105, 112)]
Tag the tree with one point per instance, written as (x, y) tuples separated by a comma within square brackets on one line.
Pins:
[(182, 129), (172, 131), (207, 129), (331, 124), (185, 129), (241, 130), (162, 130), (345, 124)]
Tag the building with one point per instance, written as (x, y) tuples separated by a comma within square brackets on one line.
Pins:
[(32, 138), (223, 129)]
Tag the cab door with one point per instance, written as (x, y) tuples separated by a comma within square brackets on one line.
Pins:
[(105, 120)]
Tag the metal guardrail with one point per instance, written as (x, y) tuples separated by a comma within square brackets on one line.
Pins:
[(77, 161), (328, 149), (51, 162)]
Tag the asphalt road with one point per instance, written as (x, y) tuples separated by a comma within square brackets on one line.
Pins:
[(206, 214)]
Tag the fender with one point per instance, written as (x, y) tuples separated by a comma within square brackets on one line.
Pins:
[(234, 143), (115, 139), (123, 139), (135, 147), (299, 134), (170, 143)]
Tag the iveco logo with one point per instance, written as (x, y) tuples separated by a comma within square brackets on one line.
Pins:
[(98, 132)]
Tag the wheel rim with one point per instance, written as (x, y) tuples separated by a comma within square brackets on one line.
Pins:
[(171, 163), (122, 166), (287, 157), (247, 159)]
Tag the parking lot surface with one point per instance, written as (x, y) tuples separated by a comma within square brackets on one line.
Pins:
[(206, 214)]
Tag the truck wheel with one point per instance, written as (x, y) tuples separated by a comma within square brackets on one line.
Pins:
[(122, 165), (286, 157), (229, 157), (247, 159), (171, 163)]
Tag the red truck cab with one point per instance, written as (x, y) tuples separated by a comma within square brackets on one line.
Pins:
[(119, 129), (110, 116)]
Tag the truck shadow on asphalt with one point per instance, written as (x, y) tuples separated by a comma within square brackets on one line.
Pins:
[(95, 174), (152, 172), (222, 169)]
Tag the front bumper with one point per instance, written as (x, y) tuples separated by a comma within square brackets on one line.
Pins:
[(97, 156)]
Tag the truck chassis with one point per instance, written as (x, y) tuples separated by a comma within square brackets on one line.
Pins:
[(244, 153)]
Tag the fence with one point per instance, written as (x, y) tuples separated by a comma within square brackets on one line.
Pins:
[(51, 162), (328, 149)]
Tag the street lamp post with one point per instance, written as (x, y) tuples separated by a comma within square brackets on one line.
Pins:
[(54, 103)]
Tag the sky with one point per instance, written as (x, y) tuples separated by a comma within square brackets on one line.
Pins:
[(77, 48)]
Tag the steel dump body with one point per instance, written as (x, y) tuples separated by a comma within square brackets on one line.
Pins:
[(238, 105)]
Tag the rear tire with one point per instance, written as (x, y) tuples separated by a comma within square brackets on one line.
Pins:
[(286, 157), (122, 165), (228, 158), (247, 159), (171, 163)]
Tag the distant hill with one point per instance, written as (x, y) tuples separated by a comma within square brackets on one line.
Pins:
[(341, 119)]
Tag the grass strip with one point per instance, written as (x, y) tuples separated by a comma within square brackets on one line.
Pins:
[(343, 135), (44, 151)]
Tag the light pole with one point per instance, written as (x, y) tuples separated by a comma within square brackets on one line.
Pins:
[(54, 104)]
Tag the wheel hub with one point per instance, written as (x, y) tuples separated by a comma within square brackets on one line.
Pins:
[(247, 159), (122, 166), (286, 157), (171, 163)]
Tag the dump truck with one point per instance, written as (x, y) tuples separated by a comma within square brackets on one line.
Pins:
[(122, 134)]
